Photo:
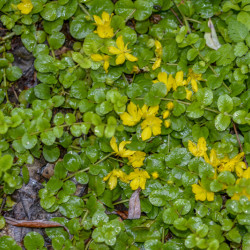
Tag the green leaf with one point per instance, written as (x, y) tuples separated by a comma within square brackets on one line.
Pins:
[(225, 103), (78, 90), (195, 111), (48, 138), (183, 206), (7, 243), (99, 218), (234, 235), (42, 91), (227, 224), (222, 122), (216, 186), (33, 240), (143, 8), (226, 55), (124, 8), (239, 116), (80, 27), (152, 244), (159, 197), (54, 185), (6, 162), (244, 18), (178, 156), (204, 96), (29, 41), (69, 187), (206, 170), (82, 178), (51, 154), (72, 208), (54, 26), (67, 10), (180, 224), (49, 11), (2, 223), (13, 73), (84, 62), (190, 241), (192, 54), (56, 40), (26, 176), (97, 184), (29, 141), (226, 177), (45, 64), (240, 49), (198, 132), (214, 82), (237, 31), (70, 118), (97, 7), (71, 161), (169, 216)]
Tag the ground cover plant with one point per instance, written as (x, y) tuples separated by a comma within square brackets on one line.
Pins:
[(145, 105)]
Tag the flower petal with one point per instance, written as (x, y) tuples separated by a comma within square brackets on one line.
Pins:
[(114, 50), (146, 133), (130, 57), (113, 144), (163, 77), (120, 59), (120, 43), (106, 66), (96, 57)]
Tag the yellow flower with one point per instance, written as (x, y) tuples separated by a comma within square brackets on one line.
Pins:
[(104, 30), (243, 191), (188, 94), (246, 174), (122, 52), (193, 78), (157, 63), (163, 77), (232, 164), (151, 125), (99, 58), (135, 69), (146, 111), (121, 151), (158, 53), (133, 116), (155, 175), (167, 123), (113, 176), (237, 196), (194, 86), (137, 159), (201, 194), (198, 150), (25, 6), (166, 114), (213, 160), (139, 178), (170, 105), (239, 168), (179, 78)]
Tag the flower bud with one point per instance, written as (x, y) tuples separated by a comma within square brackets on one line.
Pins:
[(170, 105), (165, 114), (167, 123)]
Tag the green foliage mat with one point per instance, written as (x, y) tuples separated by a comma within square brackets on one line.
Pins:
[(144, 102)]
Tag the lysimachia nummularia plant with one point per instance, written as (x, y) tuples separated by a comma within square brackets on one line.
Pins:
[(146, 103)]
